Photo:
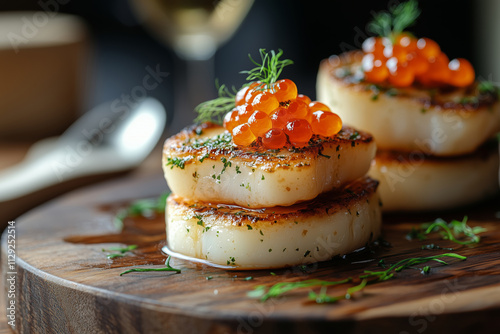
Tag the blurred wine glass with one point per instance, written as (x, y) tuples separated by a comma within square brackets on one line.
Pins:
[(194, 29)]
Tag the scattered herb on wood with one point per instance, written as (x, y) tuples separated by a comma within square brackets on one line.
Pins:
[(264, 292), (166, 268), (455, 231), (143, 208), (118, 251)]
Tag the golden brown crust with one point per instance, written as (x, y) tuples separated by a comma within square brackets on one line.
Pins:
[(329, 202), (447, 98), (192, 142)]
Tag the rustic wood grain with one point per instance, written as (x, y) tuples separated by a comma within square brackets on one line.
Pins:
[(67, 285)]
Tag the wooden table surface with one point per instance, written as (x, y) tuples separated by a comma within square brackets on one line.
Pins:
[(457, 297), (12, 153)]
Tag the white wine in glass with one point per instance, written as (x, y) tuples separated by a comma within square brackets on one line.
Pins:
[(194, 29)]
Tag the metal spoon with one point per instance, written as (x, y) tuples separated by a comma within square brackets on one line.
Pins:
[(107, 139)]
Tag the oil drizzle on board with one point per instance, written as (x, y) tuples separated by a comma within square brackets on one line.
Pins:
[(148, 233)]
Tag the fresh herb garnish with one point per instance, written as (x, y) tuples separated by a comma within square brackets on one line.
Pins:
[(368, 277), (167, 268), (177, 162), (143, 207), (267, 72), (118, 251), (322, 297), (392, 23), (449, 231), (214, 110), (264, 293), (270, 68), (408, 263)]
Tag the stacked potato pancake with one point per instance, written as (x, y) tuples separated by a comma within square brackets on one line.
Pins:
[(433, 149), (250, 207)]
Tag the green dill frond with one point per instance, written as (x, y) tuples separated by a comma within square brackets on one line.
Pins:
[(267, 72), (214, 110), (392, 23), (270, 68)]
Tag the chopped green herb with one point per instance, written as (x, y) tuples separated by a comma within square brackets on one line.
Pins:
[(322, 297), (200, 220), (425, 270), (407, 263), (449, 231), (143, 207), (264, 292), (177, 162), (118, 251), (167, 268), (249, 227), (355, 135), (206, 155)]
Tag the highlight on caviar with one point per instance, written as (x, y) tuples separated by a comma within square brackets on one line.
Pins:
[(268, 111), (396, 57)]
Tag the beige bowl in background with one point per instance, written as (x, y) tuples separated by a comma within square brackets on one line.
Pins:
[(43, 60)]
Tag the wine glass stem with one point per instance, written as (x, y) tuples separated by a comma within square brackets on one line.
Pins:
[(194, 83)]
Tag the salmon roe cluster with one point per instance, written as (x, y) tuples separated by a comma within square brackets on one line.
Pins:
[(410, 60), (279, 116)]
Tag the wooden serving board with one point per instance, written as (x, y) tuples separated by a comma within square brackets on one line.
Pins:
[(66, 284)]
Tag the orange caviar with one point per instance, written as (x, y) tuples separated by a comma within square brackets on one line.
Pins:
[(325, 123), (274, 139), (279, 116), (408, 60), (243, 135), (259, 123)]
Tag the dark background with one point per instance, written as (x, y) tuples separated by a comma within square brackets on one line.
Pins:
[(308, 31)]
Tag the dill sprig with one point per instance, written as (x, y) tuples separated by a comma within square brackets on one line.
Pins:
[(392, 23), (166, 268), (368, 277), (214, 110), (267, 73), (449, 231), (270, 68)]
